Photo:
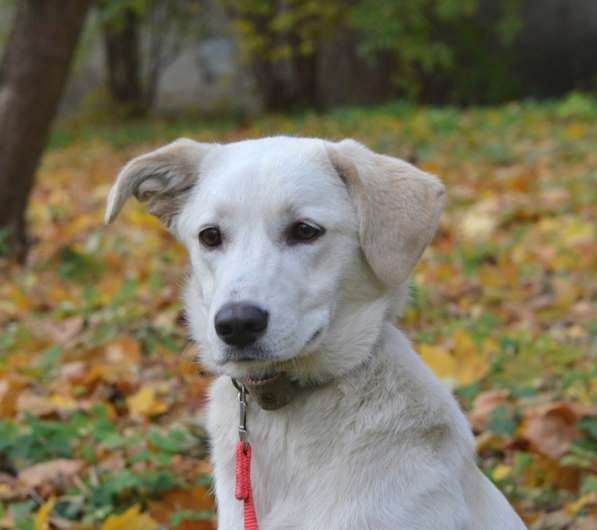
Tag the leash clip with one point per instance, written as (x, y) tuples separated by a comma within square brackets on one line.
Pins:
[(242, 402)]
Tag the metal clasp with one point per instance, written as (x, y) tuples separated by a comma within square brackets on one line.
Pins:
[(242, 401)]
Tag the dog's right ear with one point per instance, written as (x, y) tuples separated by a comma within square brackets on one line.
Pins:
[(161, 178)]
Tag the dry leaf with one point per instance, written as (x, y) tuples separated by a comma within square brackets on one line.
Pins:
[(440, 361), (500, 472), (480, 221), (124, 350), (61, 332), (132, 519), (9, 394), (144, 403), (43, 514), (34, 404), (550, 428), (585, 501), (10, 488), (483, 406), (471, 362), (58, 473), (194, 499)]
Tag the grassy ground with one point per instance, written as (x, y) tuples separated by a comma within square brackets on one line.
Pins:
[(100, 401)]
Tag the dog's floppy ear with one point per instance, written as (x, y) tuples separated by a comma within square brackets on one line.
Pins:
[(162, 178), (398, 205)]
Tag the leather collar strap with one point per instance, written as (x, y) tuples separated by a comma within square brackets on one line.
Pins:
[(272, 393)]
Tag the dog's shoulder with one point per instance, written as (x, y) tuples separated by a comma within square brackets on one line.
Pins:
[(403, 392)]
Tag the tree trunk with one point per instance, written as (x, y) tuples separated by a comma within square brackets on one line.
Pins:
[(32, 77), (306, 79), (274, 85), (121, 42)]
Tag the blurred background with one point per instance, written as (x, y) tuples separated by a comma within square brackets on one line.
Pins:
[(100, 398)]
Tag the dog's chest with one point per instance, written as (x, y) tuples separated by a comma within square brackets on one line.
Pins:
[(290, 447)]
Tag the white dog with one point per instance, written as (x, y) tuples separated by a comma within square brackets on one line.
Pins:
[(301, 252)]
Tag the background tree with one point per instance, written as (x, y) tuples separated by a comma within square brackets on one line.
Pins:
[(141, 38), (282, 41), (443, 50), (427, 50), (33, 72), (122, 50)]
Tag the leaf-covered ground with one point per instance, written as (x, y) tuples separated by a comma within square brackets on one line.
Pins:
[(101, 402)]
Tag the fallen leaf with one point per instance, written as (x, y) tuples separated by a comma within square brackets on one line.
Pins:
[(43, 514), (59, 473), (194, 499), (144, 403), (9, 394), (550, 428), (480, 221), (34, 404), (74, 371), (483, 406), (61, 332), (124, 350), (132, 519), (584, 501), (471, 361), (557, 520), (440, 361), (10, 488), (62, 403), (500, 472)]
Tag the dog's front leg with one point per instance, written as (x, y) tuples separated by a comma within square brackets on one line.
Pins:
[(230, 510)]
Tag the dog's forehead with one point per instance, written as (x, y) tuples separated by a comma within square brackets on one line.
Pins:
[(271, 173)]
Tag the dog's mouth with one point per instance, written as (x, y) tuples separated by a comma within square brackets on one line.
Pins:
[(255, 380)]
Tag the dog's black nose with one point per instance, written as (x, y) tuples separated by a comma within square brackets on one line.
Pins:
[(240, 324)]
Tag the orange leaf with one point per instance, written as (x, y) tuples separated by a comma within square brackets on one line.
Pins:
[(124, 350), (484, 405), (550, 428), (195, 498), (9, 393)]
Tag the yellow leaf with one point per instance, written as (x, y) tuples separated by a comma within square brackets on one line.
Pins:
[(132, 519), (471, 363), (584, 500), (481, 221), (63, 403), (43, 514), (472, 369), (440, 361), (575, 131), (500, 472), (145, 403)]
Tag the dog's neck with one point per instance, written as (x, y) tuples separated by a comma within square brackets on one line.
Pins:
[(278, 391), (273, 393)]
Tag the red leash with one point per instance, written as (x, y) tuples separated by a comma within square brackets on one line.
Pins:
[(243, 490)]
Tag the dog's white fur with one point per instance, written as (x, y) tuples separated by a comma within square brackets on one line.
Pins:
[(374, 440)]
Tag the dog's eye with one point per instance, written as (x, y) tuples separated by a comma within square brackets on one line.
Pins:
[(302, 232), (211, 237)]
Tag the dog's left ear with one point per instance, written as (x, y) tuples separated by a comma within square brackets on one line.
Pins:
[(399, 207), (161, 178)]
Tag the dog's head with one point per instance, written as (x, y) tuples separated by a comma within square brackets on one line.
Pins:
[(298, 246)]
